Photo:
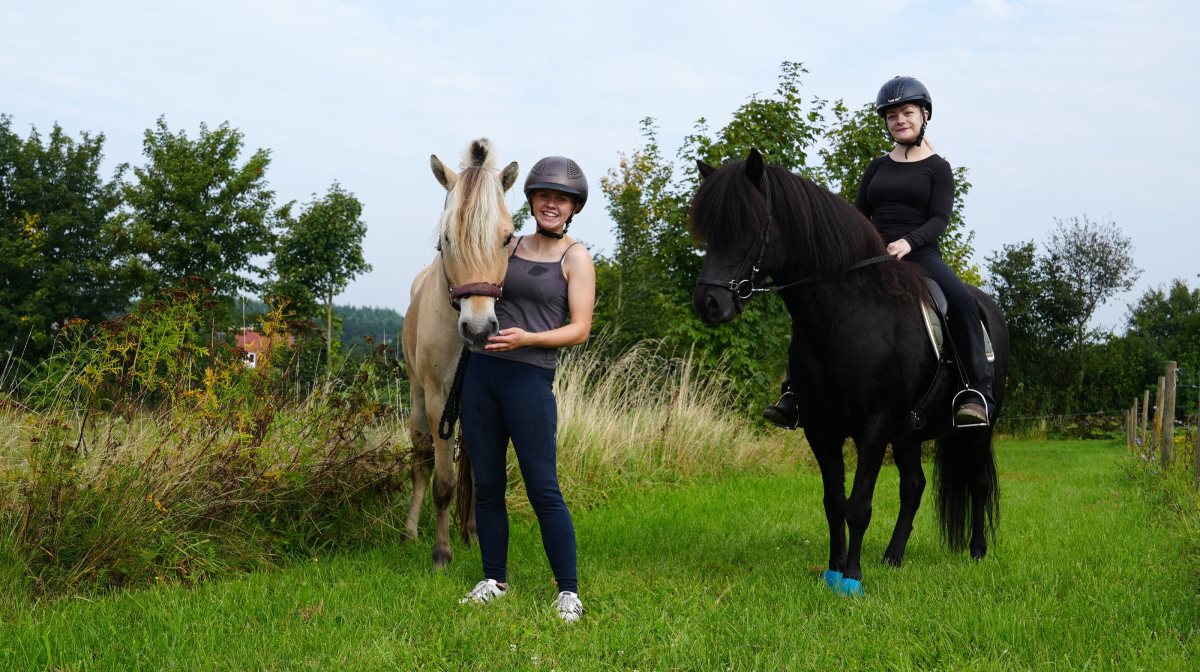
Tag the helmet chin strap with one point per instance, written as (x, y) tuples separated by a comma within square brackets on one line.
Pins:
[(551, 234), (914, 143)]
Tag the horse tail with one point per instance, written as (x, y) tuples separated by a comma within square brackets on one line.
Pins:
[(464, 499), (479, 153), (968, 489)]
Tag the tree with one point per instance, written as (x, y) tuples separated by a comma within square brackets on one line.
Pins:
[(1049, 298), (59, 248), (1039, 307), (193, 211), (1097, 263), (320, 252)]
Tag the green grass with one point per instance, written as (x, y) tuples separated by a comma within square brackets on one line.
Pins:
[(708, 576)]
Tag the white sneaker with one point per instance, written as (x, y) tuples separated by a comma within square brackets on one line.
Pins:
[(483, 592), (569, 607)]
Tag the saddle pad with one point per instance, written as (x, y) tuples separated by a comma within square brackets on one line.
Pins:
[(933, 327)]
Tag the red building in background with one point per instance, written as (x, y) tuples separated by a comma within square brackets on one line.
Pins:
[(253, 343)]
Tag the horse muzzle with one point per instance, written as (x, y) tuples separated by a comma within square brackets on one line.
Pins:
[(716, 305), (477, 321)]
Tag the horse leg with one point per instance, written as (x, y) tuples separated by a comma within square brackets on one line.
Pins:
[(421, 465), (421, 468), (828, 451), (907, 455), (871, 444), (443, 496)]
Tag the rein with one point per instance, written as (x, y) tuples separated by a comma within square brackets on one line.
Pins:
[(745, 288)]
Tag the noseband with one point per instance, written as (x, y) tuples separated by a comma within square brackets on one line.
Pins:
[(744, 288), (469, 289)]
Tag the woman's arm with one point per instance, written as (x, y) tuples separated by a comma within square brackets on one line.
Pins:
[(861, 202), (580, 273), (941, 205)]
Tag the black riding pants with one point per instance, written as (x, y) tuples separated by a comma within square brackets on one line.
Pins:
[(962, 314), (502, 400)]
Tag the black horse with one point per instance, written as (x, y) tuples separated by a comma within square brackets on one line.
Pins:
[(861, 361)]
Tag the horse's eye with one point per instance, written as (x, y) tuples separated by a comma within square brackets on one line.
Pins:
[(507, 240)]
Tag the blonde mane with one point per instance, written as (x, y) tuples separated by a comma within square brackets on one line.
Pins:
[(474, 209)]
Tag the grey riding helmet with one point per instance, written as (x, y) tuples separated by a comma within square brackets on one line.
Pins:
[(558, 173), (900, 90)]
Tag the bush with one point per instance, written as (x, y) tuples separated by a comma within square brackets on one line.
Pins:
[(143, 450)]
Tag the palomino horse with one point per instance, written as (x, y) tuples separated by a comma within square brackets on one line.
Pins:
[(861, 362), (452, 304)]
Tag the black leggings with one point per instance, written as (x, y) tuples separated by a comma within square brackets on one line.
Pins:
[(962, 314), (503, 399)]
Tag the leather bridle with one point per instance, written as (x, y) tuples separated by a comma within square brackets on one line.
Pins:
[(744, 288)]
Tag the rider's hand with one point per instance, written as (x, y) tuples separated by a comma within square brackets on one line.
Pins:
[(899, 248)]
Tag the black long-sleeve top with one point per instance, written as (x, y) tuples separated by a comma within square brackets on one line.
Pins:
[(910, 200)]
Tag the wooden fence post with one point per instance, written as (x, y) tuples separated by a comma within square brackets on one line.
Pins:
[(1129, 428), (1168, 414), (1197, 446), (1145, 415), (1156, 439)]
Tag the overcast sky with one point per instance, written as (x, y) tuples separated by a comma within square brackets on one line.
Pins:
[(1059, 109)]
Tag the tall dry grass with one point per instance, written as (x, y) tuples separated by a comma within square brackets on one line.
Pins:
[(648, 417), (145, 450)]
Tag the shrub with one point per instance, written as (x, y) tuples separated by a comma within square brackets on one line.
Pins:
[(145, 450)]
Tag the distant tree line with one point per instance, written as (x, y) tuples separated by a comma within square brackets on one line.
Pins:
[(75, 244)]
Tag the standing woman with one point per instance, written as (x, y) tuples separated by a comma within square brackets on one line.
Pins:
[(508, 390), (908, 194)]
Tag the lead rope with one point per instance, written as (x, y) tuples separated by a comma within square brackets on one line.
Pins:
[(454, 400)]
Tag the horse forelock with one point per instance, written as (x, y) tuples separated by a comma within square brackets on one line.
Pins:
[(474, 211), (727, 213), (479, 153)]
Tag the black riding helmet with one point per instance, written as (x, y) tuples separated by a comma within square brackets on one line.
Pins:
[(899, 91), (558, 173)]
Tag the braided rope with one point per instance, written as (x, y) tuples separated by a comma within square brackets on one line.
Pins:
[(454, 400)]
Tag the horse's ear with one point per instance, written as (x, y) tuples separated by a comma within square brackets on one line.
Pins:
[(508, 176), (704, 168), (754, 166), (445, 176)]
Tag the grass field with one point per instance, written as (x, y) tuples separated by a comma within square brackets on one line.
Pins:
[(717, 575)]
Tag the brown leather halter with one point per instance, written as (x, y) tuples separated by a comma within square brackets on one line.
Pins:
[(469, 289)]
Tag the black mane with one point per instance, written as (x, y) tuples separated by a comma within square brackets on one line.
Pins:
[(822, 234)]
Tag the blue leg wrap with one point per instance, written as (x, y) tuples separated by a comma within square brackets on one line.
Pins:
[(850, 587), (832, 578)]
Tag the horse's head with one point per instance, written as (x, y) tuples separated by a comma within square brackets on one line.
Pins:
[(731, 219), (473, 234)]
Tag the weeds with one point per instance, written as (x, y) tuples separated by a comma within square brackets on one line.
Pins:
[(145, 450)]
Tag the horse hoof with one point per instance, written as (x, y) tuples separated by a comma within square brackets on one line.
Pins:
[(891, 560), (832, 578), (441, 557), (850, 587), (979, 555)]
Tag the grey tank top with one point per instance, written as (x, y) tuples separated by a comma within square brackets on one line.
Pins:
[(535, 299)]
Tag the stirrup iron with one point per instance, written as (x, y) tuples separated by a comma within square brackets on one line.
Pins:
[(982, 402)]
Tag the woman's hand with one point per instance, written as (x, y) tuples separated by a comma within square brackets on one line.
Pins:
[(899, 248), (509, 339)]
